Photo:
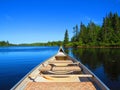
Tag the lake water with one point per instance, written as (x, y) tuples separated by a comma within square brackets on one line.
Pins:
[(16, 62), (104, 63)]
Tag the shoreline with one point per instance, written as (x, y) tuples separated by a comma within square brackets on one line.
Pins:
[(68, 46), (91, 47)]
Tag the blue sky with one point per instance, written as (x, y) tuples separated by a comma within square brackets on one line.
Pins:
[(27, 21)]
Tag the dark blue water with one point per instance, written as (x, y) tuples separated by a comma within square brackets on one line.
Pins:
[(15, 62), (103, 62)]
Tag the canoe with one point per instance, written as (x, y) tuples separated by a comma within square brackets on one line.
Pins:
[(60, 72)]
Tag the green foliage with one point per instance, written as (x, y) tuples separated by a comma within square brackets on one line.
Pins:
[(53, 43), (111, 29), (66, 38), (94, 35), (75, 38), (4, 43)]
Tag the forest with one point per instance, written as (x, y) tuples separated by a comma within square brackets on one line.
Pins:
[(52, 43), (106, 35), (4, 43)]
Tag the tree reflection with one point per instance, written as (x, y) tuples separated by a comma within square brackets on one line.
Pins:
[(66, 50), (111, 63), (107, 58)]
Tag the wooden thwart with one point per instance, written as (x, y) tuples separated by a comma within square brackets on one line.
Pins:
[(63, 63), (73, 75), (66, 61), (66, 68)]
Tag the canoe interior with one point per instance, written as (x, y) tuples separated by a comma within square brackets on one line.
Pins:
[(57, 70)]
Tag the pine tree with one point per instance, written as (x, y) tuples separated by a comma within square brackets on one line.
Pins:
[(76, 33), (66, 38), (92, 34), (83, 33), (116, 27)]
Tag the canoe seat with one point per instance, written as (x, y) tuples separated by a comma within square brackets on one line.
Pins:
[(60, 86), (69, 75), (63, 64), (62, 61), (61, 57), (67, 68), (46, 68), (59, 68)]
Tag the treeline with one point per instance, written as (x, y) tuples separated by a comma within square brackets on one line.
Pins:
[(94, 35), (53, 43), (4, 43)]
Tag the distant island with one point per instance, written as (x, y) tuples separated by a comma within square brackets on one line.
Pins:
[(91, 35)]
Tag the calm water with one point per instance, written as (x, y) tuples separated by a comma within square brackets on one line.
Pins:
[(105, 63), (15, 62)]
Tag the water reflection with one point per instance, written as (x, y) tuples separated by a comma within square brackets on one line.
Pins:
[(105, 61), (66, 50)]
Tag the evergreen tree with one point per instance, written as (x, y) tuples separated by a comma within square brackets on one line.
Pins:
[(83, 33), (66, 38), (116, 27), (4, 43), (76, 33), (92, 34)]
